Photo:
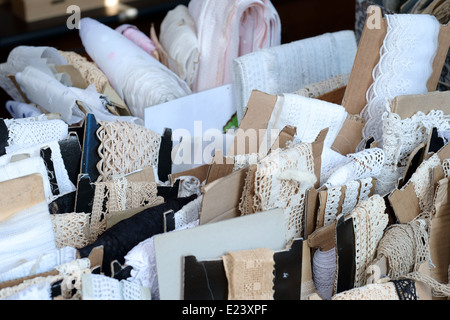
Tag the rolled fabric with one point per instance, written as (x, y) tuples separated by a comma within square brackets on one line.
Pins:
[(138, 78), (288, 67), (22, 110), (228, 29), (139, 38), (178, 36)]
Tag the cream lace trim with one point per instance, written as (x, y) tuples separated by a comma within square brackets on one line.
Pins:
[(71, 229), (376, 291), (119, 195), (125, 147), (369, 222), (273, 188), (405, 246), (250, 274)]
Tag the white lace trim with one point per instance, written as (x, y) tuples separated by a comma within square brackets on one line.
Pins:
[(405, 66)]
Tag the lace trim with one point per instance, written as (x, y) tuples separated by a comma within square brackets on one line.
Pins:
[(422, 180), (405, 246), (125, 147), (446, 167), (100, 287), (351, 197), (369, 222), (324, 272), (250, 274), (400, 138), (377, 291), (406, 289), (71, 229), (405, 65), (119, 195), (288, 193), (332, 205)]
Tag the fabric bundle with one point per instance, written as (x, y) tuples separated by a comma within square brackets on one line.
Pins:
[(138, 37), (138, 78), (229, 29), (291, 66), (179, 38)]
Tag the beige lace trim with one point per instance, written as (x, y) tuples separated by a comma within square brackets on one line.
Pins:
[(439, 289), (88, 70), (405, 246), (119, 195), (280, 181), (369, 222), (250, 274), (125, 147), (315, 90), (71, 229), (376, 291)]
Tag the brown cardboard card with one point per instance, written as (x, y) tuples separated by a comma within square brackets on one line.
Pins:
[(405, 202), (20, 193), (210, 241), (200, 172), (408, 105), (221, 197), (349, 136), (439, 236), (368, 56), (335, 96)]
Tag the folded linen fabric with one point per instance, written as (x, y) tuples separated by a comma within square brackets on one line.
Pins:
[(140, 80), (291, 66), (178, 36), (41, 57), (229, 29), (405, 65), (25, 236)]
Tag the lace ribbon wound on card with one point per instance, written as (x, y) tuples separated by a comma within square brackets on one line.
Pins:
[(405, 65), (400, 138), (405, 247), (288, 193), (250, 274), (125, 147), (71, 229), (369, 222), (119, 195)]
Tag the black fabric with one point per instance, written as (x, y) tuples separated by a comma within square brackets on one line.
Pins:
[(118, 240), (436, 142), (288, 272), (345, 242), (46, 155), (90, 156), (4, 136), (169, 192), (71, 155), (165, 156), (84, 194), (63, 204)]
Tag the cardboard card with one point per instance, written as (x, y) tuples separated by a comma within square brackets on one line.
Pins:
[(439, 241), (404, 201), (221, 197), (408, 105), (20, 193), (210, 241)]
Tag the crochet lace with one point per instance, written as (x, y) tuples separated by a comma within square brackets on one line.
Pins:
[(369, 222), (405, 65), (405, 246), (288, 193), (71, 229), (119, 195), (400, 138), (125, 147)]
